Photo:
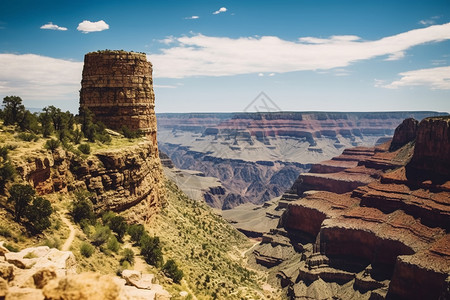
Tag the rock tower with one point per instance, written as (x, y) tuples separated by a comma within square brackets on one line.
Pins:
[(117, 86)]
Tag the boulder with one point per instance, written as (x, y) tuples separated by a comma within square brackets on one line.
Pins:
[(83, 286), (16, 293)]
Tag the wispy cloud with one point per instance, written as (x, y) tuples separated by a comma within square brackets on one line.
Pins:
[(88, 26), (35, 77), (165, 86), (52, 26), (221, 10), (436, 78), (430, 21), (192, 18), (201, 55)]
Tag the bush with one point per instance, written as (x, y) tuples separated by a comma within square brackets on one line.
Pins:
[(130, 134), (136, 231), (128, 256), (101, 235), (107, 216), (21, 195), (28, 137), (171, 269), (86, 249), (82, 208), (103, 138), (39, 213), (113, 244), (52, 144), (84, 148), (7, 173), (151, 250), (77, 136), (118, 225)]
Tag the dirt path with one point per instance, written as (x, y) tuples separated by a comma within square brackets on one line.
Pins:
[(255, 243), (71, 237)]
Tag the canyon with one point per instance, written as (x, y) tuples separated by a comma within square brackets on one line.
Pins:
[(371, 223), (257, 156)]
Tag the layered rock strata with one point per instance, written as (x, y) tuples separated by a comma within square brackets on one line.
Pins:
[(386, 238), (117, 86), (125, 179), (267, 151)]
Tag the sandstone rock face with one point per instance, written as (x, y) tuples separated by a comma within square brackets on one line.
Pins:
[(117, 86), (125, 179), (432, 150), (386, 238), (404, 133)]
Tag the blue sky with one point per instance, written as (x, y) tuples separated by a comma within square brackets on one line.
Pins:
[(219, 55)]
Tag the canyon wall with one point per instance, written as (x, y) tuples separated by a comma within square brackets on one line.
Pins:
[(257, 156), (374, 221)]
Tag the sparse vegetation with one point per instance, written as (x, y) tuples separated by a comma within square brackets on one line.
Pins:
[(84, 148), (171, 269), (86, 249), (82, 207), (52, 144)]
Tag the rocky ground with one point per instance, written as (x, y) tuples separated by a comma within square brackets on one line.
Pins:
[(47, 273)]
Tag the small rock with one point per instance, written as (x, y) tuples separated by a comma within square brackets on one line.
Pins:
[(6, 271), (43, 276), (16, 293), (133, 293), (184, 294), (3, 288)]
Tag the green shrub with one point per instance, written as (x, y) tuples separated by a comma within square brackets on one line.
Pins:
[(7, 172), (113, 244), (39, 214), (151, 250), (118, 225), (130, 134), (5, 232), (77, 136), (28, 137), (85, 148), (101, 235), (136, 231), (171, 269), (103, 138), (86, 249), (52, 144), (11, 247), (20, 195), (128, 256), (82, 207), (107, 216)]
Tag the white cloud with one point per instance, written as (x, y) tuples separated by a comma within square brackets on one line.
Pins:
[(52, 26), (88, 26), (34, 77), (221, 10), (272, 74), (396, 56), (201, 55), (165, 86), (261, 74), (192, 18), (436, 78), (426, 22)]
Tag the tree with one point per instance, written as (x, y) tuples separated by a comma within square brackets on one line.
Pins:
[(29, 122), (82, 208), (119, 226), (38, 214), (151, 250), (21, 195), (136, 231), (14, 110), (171, 269), (46, 123)]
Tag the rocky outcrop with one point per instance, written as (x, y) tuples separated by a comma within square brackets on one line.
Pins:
[(431, 152), (404, 133), (40, 273), (124, 179), (386, 238), (117, 86)]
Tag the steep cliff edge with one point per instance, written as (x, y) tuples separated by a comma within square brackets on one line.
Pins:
[(128, 178), (368, 222)]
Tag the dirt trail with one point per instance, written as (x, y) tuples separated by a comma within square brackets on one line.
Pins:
[(71, 237)]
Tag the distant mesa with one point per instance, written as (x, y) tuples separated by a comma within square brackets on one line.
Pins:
[(117, 86)]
